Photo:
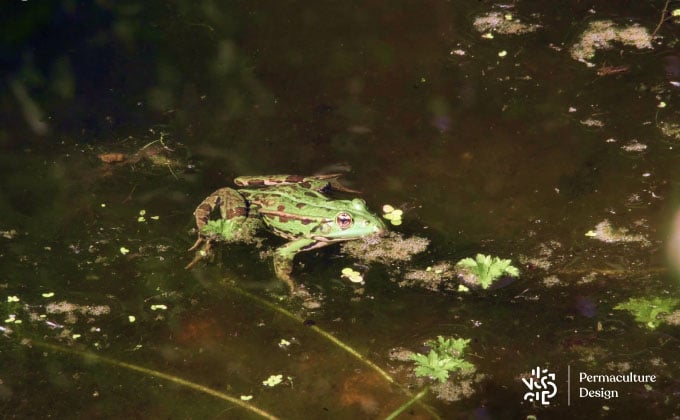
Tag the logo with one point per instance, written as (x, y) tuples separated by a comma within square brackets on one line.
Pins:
[(541, 386)]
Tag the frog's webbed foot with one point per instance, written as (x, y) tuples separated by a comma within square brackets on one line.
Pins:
[(203, 253)]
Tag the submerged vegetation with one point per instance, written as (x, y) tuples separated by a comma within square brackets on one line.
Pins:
[(224, 230)]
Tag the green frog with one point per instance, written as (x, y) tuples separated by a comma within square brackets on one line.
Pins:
[(291, 206)]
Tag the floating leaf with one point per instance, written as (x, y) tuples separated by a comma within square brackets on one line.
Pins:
[(445, 356), (273, 380), (487, 269), (647, 310)]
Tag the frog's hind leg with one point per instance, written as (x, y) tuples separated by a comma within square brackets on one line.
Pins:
[(326, 183), (323, 183), (231, 203), (233, 208)]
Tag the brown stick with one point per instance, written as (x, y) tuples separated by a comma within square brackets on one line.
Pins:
[(663, 17)]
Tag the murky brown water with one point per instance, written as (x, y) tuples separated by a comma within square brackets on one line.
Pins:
[(502, 145)]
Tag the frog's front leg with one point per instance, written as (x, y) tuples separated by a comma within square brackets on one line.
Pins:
[(283, 258)]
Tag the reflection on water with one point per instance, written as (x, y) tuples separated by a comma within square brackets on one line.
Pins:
[(491, 142)]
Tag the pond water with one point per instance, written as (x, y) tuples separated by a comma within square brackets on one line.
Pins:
[(546, 137)]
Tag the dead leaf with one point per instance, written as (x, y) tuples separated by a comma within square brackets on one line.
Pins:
[(111, 157)]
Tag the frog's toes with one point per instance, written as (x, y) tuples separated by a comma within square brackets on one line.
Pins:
[(196, 244), (203, 253)]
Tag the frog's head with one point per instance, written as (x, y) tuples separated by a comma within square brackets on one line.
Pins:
[(354, 221)]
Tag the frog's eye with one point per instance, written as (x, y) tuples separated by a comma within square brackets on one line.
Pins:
[(344, 220)]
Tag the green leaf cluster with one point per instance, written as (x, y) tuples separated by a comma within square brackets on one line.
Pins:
[(220, 227), (647, 310), (232, 230), (445, 356), (487, 269)]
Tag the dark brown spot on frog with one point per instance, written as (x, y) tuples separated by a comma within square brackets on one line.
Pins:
[(300, 205), (284, 219), (306, 184), (293, 179), (281, 207), (305, 221)]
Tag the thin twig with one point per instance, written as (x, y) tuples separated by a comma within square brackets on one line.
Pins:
[(171, 171), (663, 18), (129, 197), (407, 404)]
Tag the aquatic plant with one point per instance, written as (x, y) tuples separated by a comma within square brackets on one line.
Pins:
[(605, 232), (391, 248), (392, 214), (224, 230), (218, 227), (600, 34), (502, 23), (445, 356), (647, 310), (486, 269)]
